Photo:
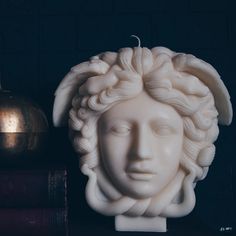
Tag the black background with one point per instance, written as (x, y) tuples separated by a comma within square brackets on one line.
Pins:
[(41, 40)]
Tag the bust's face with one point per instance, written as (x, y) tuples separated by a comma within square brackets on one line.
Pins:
[(140, 143)]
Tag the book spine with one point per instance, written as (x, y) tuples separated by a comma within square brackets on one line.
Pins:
[(38, 188), (34, 222)]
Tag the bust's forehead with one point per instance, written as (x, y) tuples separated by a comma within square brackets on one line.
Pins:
[(140, 109)]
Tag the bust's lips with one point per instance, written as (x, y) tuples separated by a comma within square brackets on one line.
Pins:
[(140, 171), (140, 176)]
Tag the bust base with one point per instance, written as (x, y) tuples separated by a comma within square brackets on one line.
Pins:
[(143, 224)]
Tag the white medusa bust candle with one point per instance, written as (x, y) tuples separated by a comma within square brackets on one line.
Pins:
[(143, 122)]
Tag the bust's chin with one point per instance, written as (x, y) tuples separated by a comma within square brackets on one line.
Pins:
[(138, 189), (140, 185)]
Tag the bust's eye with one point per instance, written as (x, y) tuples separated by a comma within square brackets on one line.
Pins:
[(121, 130), (162, 130)]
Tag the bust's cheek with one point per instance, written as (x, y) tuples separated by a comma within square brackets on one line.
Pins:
[(169, 153), (114, 153)]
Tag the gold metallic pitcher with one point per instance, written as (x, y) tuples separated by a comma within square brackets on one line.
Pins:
[(23, 125)]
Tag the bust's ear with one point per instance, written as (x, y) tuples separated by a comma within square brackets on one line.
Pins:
[(209, 76), (69, 86)]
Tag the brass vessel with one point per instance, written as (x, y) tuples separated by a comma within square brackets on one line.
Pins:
[(23, 125)]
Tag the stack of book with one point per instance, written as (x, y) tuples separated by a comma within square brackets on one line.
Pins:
[(33, 202)]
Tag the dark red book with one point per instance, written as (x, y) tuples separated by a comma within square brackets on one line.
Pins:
[(33, 188), (34, 222)]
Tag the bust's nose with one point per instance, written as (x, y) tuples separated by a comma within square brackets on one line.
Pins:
[(141, 147)]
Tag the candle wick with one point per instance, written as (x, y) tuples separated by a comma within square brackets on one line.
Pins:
[(139, 42)]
